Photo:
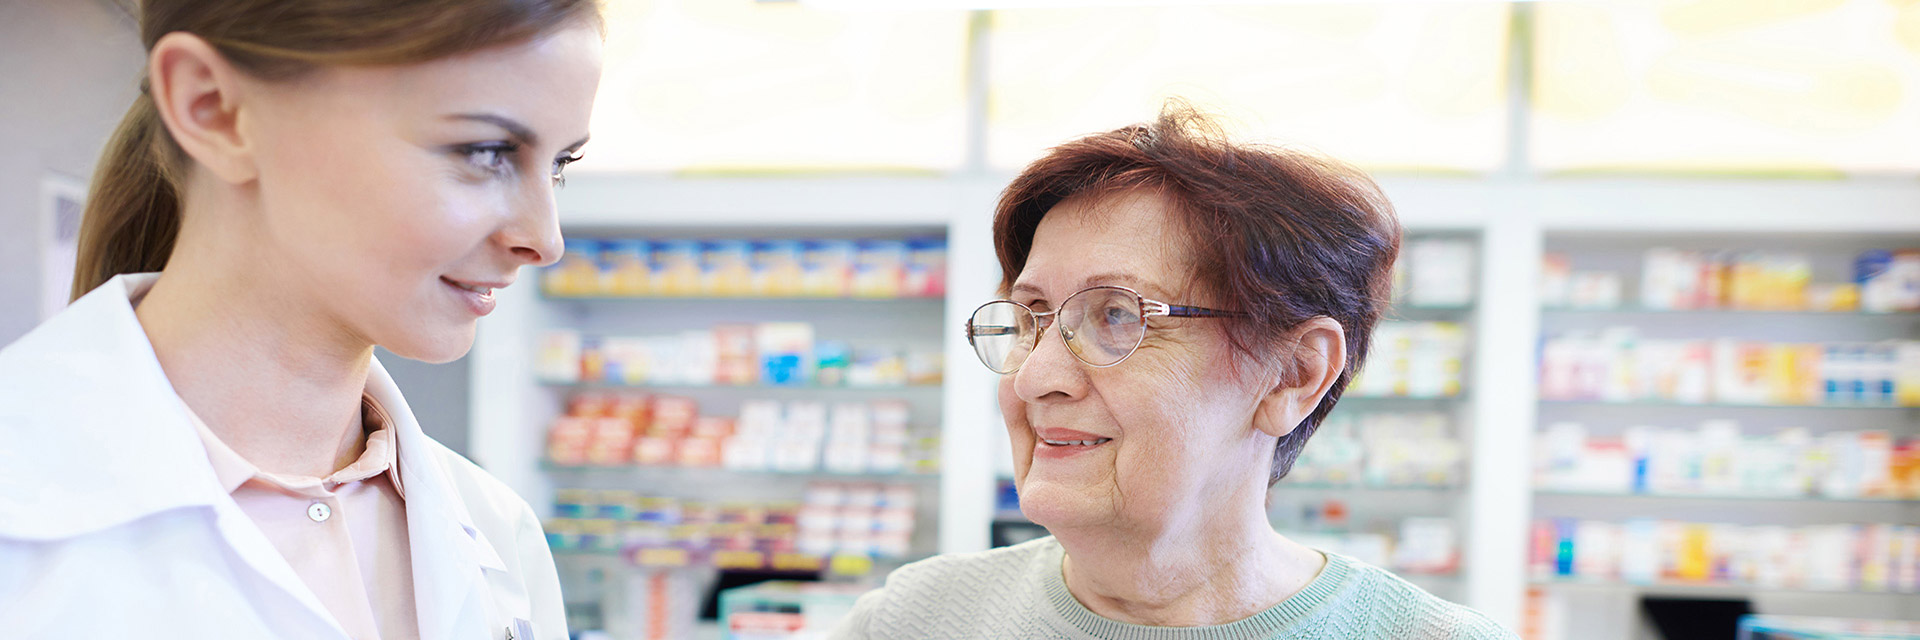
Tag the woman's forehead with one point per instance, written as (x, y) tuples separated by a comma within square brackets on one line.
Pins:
[(1128, 239), (547, 83)]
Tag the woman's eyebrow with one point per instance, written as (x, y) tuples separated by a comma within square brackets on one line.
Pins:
[(1112, 278), (519, 132), (1109, 278)]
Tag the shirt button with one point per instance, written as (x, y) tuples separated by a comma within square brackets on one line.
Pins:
[(319, 512)]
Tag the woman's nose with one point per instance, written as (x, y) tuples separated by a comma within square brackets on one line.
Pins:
[(533, 234), (1050, 373)]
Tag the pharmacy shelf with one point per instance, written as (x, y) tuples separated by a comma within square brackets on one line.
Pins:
[(838, 300), (1606, 608), (512, 408), (1458, 397), (586, 553), (797, 562), (1401, 313), (1285, 486), (622, 554), (1724, 405), (753, 388), (718, 474), (1726, 496), (1632, 310), (1677, 588)]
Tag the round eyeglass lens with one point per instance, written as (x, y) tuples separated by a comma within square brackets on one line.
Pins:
[(1103, 325), (1002, 335)]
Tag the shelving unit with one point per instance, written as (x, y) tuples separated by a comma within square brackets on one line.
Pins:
[(1706, 589), (1733, 497), (1667, 404), (1592, 606), (519, 406)]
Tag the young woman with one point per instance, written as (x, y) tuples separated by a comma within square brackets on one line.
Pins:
[(202, 445)]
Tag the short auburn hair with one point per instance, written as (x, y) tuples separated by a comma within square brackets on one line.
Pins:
[(1279, 235)]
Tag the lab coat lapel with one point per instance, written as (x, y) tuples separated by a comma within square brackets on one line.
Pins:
[(449, 555), (109, 441)]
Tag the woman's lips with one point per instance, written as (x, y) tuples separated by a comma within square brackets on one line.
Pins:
[(1076, 443), (477, 298), (1057, 443)]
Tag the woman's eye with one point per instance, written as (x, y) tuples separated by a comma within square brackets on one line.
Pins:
[(560, 167), (493, 158)]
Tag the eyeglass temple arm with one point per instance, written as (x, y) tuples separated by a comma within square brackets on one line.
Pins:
[(1158, 308)]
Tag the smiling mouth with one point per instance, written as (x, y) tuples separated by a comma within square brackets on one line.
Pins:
[(485, 291), (1076, 443)]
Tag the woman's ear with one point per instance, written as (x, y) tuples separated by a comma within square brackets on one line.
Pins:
[(1318, 355), (198, 95)]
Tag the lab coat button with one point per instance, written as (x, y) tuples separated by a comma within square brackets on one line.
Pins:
[(319, 512)]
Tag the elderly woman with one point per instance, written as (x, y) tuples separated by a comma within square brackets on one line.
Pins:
[(1179, 314)]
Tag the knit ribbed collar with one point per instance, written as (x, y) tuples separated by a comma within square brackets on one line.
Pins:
[(1279, 621)]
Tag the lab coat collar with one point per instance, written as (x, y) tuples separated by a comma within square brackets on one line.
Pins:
[(96, 436), (98, 433), (449, 552)]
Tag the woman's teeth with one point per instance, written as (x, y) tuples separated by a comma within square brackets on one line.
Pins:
[(1069, 443), (485, 291)]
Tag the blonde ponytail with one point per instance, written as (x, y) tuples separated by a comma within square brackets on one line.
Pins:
[(133, 208)]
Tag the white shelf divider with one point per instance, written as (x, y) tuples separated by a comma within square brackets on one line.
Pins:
[(967, 484), (1500, 463)]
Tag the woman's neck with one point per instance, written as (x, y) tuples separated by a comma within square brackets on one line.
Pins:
[(278, 385), (1207, 569)]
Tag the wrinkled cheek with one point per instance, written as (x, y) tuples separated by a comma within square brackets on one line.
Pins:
[(1159, 456), (1019, 433)]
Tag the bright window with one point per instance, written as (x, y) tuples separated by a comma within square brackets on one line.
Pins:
[(734, 85), (1398, 86), (1817, 86)]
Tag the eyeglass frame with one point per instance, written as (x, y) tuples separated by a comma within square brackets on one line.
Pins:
[(1149, 308)]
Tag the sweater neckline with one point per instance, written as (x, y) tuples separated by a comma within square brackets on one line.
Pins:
[(1275, 621)]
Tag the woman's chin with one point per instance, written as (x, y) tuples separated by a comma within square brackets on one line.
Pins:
[(437, 346), (1057, 507)]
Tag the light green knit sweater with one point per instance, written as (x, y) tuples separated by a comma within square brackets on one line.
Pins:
[(1018, 592)]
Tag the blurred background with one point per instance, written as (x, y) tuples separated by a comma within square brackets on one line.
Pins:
[(1654, 364)]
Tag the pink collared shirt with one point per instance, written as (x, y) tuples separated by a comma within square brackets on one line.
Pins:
[(345, 535)]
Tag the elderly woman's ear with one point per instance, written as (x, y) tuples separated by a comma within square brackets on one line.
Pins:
[(1307, 370)]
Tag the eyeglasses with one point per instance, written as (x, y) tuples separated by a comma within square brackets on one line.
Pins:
[(1101, 326)]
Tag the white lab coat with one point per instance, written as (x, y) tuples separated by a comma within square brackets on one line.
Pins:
[(113, 526)]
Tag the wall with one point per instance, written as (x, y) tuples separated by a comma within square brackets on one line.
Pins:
[(68, 70), (438, 395)]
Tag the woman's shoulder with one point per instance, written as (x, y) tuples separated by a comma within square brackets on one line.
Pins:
[(997, 563), (1399, 609)]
